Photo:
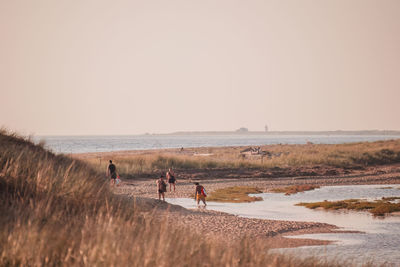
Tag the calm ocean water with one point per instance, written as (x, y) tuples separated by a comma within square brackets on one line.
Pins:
[(83, 144)]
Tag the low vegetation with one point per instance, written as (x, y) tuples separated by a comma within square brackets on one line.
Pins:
[(235, 194), (351, 155), (377, 208), (58, 211), (293, 189), (390, 198)]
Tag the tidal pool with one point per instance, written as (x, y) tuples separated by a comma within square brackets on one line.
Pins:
[(379, 242)]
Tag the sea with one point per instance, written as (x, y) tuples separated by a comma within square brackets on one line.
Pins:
[(86, 144)]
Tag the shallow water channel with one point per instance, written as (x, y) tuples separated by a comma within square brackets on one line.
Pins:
[(380, 241)]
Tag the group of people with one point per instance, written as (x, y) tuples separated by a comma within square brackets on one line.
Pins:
[(199, 194), (200, 191)]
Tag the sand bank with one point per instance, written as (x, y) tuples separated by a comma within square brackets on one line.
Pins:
[(222, 225), (231, 227)]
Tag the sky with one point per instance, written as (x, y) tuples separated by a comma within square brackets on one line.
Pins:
[(96, 67)]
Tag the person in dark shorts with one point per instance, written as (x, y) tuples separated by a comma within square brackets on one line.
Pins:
[(200, 194), (112, 172), (171, 178), (161, 187)]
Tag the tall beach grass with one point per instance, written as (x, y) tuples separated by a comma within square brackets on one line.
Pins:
[(59, 211)]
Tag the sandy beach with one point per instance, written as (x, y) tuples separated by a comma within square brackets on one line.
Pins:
[(142, 187), (227, 226)]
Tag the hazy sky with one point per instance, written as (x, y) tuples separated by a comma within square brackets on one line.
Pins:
[(130, 67)]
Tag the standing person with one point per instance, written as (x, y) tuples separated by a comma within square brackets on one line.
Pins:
[(200, 194), (162, 187), (112, 172), (171, 178)]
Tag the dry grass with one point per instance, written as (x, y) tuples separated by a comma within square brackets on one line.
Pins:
[(235, 194), (154, 163), (377, 208), (352, 155), (57, 211), (294, 189), (390, 198)]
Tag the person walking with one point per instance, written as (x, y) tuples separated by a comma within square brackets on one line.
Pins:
[(112, 172), (200, 194), (162, 188), (171, 178)]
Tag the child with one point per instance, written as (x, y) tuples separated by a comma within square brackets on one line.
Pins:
[(200, 194)]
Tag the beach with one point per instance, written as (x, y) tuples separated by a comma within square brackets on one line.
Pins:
[(67, 203), (231, 227)]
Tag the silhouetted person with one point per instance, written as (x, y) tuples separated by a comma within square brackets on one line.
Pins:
[(112, 173), (171, 178), (161, 187)]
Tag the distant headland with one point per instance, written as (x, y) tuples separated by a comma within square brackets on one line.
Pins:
[(241, 132)]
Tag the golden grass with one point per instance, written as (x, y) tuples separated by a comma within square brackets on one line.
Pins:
[(377, 208), (235, 194), (294, 189), (352, 155), (57, 211)]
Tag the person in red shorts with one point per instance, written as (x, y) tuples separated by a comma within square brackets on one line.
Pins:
[(200, 194)]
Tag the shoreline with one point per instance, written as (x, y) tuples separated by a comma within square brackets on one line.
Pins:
[(221, 225), (110, 143), (224, 227), (232, 227), (177, 133), (145, 187)]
